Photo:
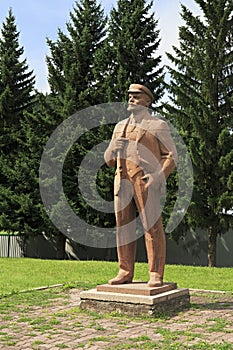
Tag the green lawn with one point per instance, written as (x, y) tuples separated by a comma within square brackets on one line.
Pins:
[(23, 274)]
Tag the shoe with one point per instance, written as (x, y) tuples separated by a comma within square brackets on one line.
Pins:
[(121, 278), (155, 280)]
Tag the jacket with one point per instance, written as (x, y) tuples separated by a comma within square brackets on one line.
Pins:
[(154, 148)]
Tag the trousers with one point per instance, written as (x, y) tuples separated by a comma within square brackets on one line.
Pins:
[(134, 199)]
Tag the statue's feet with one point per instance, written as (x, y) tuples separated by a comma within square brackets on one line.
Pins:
[(155, 280), (121, 278)]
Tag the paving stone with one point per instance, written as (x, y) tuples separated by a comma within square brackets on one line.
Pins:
[(80, 328)]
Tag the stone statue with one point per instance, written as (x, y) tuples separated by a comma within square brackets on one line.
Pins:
[(144, 154)]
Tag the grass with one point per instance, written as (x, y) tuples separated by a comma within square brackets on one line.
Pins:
[(24, 274), (202, 345), (32, 316), (23, 303)]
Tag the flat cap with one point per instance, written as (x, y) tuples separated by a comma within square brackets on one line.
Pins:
[(141, 88)]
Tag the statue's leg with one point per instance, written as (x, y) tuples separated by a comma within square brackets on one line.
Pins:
[(148, 204), (125, 212), (156, 252)]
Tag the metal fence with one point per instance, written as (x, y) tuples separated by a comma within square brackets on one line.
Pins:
[(11, 246)]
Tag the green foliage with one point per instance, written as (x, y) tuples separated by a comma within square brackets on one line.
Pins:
[(16, 82), (201, 93), (79, 75), (89, 65), (71, 80), (72, 57), (129, 53), (16, 98)]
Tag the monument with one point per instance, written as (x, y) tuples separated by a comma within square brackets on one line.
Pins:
[(143, 154)]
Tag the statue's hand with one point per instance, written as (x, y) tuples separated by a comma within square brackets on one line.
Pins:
[(119, 143), (154, 179), (148, 179)]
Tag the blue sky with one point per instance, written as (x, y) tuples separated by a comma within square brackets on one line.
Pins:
[(38, 19)]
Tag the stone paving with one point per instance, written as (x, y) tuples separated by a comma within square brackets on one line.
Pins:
[(208, 324)]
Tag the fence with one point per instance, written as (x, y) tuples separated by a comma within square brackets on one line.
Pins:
[(11, 246), (192, 250)]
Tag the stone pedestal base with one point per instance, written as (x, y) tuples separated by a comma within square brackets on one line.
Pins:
[(136, 299)]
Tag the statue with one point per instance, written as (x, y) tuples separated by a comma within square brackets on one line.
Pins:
[(144, 154)]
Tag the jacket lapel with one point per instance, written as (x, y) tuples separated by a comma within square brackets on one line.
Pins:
[(144, 126)]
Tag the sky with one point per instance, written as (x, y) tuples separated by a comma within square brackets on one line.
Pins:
[(37, 20)]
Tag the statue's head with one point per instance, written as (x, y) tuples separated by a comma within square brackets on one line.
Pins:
[(143, 92)]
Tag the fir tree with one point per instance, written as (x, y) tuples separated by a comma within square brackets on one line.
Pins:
[(16, 82), (16, 97), (129, 53), (71, 59), (201, 92), (37, 127), (71, 80)]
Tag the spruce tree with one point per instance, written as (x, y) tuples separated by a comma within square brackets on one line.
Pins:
[(37, 127), (16, 97), (201, 93), (71, 81), (129, 53), (16, 82), (71, 59)]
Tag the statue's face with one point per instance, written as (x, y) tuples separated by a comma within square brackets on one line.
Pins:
[(137, 101)]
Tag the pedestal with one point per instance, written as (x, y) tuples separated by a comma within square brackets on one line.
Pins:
[(136, 299)]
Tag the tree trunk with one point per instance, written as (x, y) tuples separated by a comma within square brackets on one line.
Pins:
[(60, 247), (111, 254), (212, 245)]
